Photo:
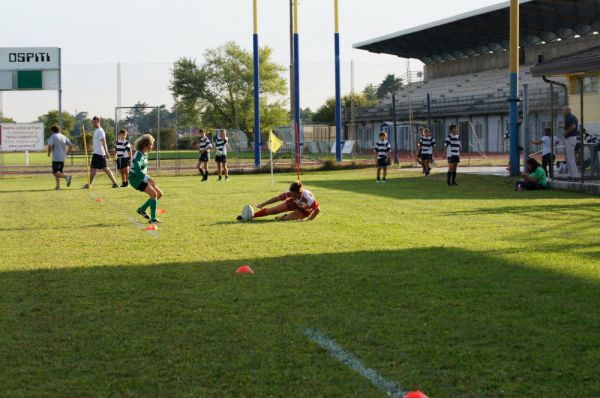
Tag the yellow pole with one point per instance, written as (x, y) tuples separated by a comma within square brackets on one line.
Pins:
[(337, 17), (514, 36), (87, 163), (255, 16), (295, 16)]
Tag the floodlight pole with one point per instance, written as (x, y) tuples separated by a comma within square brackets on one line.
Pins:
[(338, 95), (60, 115), (513, 110), (256, 88)]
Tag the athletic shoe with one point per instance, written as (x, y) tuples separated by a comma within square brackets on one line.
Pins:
[(239, 218), (377, 181), (69, 178), (115, 185), (143, 213), (383, 181), (154, 221), (85, 186), (57, 188), (454, 183), (125, 185)]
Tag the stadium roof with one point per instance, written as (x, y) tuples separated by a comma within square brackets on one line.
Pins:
[(487, 30), (580, 62)]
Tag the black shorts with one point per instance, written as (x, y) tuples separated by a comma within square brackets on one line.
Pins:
[(142, 187), (383, 162), (123, 163), (426, 157), (204, 157), (98, 162), (221, 158), (454, 159), (57, 167)]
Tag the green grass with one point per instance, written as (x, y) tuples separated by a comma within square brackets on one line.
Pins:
[(472, 291)]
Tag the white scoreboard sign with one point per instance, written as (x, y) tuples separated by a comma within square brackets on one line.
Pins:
[(29, 58), (18, 137)]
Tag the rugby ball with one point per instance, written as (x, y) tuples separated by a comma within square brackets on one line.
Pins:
[(247, 213)]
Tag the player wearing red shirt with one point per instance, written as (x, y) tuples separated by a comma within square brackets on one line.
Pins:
[(299, 202)]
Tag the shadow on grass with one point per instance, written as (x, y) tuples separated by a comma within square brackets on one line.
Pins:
[(450, 322), (434, 187)]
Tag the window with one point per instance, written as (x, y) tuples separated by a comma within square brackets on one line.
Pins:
[(590, 85)]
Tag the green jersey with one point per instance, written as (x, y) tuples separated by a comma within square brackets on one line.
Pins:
[(139, 169), (540, 175)]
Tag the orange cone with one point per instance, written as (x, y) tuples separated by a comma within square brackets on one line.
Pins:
[(415, 394), (244, 269), (99, 200), (160, 212), (151, 227)]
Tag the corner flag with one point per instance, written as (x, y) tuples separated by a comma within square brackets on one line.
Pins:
[(274, 142)]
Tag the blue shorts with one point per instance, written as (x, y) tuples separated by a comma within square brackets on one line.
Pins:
[(221, 158), (426, 157), (122, 163), (383, 162), (454, 159), (204, 157)]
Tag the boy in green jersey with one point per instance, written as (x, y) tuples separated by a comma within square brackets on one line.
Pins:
[(139, 179)]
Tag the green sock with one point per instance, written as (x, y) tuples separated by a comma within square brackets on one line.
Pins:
[(146, 204), (153, 205)]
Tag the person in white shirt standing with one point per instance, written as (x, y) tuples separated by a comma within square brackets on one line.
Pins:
[(546, 143), (100, 154)]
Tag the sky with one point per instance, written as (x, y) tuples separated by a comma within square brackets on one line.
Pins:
[(146, 37)]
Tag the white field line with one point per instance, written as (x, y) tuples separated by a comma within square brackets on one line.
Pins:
[(389, 387)]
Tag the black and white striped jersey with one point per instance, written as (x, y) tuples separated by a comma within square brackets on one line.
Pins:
[(205, 144), (453, 145), (221, 145), (426, 144), (123, 149), (383, 148)]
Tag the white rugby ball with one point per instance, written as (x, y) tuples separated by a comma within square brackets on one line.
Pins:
[(247, 213)]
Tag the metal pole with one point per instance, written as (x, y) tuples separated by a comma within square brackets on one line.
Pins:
[(338, 95), (292, 90), (256, 89), (297, 87), (158, 143), (582, 131), (60, 115), (117, 136), (553, 122), (429, 111), (394, 120), (526, 121), (513, 110)]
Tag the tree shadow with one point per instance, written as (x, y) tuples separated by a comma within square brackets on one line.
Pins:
[(434, 187), (451, 322)]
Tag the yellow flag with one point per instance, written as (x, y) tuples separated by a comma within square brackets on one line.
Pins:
[(274, 142)]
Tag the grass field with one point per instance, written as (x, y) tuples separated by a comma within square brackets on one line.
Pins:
[(472, 291)]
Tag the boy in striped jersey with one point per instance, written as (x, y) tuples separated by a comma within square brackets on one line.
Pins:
[(426, 145), (221, 154), (382, 153), (453, 146), (205, 147), (123, 154)]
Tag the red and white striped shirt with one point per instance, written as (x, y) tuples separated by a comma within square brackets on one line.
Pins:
[(306, 202)]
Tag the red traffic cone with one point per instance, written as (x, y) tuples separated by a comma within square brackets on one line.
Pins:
[(244, 269), (151, 227), (99, 200), (415, 394), (161, 211)]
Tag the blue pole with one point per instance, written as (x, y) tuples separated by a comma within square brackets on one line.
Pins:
[(256, 87), (338, 89), (297, 88), (256, 103), (396, 158), (513, 109)]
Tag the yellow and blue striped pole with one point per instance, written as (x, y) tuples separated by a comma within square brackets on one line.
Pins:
[(513, 110), (338, 95), (256, 89), (297, 88)]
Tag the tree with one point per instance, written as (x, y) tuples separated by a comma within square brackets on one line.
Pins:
[(220, 93), (391, 84), (6, 120), (326, 113), (370, 93), (51, 118), (306, 116)]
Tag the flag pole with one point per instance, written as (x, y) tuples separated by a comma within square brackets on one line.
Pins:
[(271, 153)]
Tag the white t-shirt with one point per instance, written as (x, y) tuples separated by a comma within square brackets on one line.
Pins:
[(99, 135), (547, 144)]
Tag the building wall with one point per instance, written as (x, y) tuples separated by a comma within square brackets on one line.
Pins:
[(591, 104), (500, 60)]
